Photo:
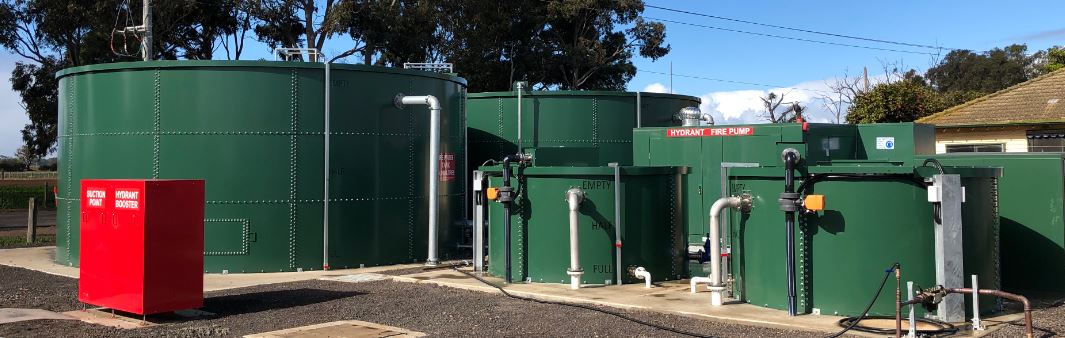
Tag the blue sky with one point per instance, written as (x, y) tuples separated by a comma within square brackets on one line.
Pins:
[(702, 52)]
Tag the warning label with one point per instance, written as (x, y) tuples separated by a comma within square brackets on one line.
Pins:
[(94, 198), (706, 132), (447, 167), (127, 199)]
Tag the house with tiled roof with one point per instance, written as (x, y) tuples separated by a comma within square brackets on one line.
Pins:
[(1027, 117)]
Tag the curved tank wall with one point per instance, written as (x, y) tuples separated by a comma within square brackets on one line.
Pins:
[(594, 127), (652, 229), (254, 130)]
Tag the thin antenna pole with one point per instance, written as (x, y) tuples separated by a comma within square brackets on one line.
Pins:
[(671, 77), (865, 71), (146, 21)]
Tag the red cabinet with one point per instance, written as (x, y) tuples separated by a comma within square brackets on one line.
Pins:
[(142, 244)]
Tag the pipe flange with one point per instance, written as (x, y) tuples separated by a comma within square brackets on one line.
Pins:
[(717, 288), (398, 101), (574, 272)]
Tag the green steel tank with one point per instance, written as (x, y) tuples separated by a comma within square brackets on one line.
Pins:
[(566, 128), (650, 224), (877, 210), (255, 131), (1032, 216)]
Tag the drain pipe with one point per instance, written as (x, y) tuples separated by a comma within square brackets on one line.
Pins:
[(716, 278), (789, 203), (434, 164), (574, 197)]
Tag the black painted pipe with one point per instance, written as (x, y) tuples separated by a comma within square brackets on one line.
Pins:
[(789, 224)]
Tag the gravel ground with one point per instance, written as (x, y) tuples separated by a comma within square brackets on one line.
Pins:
[(1048, 318), (437, 310)]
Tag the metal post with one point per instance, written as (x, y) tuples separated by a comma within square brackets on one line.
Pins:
[(325, 163), (948, 244), (31, 222), (521, 87), (639, 111), (478, 221), (913, 316), (146, 20), (977, 326), (617, 219)]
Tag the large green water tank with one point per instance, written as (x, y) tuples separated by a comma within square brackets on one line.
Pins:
[(651, 224), (567, 128), (254, 130)]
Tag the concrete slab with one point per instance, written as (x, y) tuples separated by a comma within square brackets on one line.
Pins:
[(346, 328), (11, 315), (669, 297), (100, 316), (43, 259)]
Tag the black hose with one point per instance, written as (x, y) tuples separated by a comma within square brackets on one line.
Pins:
[(883, 282), (944, 328), (586, 307), (789, 231), (935, 164)]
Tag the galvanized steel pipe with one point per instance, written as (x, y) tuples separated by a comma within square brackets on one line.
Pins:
[(716, 286), (574, 197), (434, 167)]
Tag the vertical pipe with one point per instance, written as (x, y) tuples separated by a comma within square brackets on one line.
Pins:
[(146, 20), (434, 167), (520, 86), (898, 302), (790, 157), (716, 278), (325, 163), (506, 222), (574, 197), (976, 306), (617, 220)]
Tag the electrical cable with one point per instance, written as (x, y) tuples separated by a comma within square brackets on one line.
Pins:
[(883, 282), (732, 81), (790, 37), (586, 307), (799, 29)]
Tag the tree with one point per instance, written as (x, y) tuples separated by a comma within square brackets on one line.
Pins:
[(54, 34), (987, 72), (1055, 59), (899, 101), (772, 101)]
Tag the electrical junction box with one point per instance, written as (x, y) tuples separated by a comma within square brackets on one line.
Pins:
[(142, 245)]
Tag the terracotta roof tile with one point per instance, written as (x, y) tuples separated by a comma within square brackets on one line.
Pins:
[(1038, 100)]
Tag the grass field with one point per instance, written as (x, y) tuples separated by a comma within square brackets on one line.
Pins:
[(8, 242)]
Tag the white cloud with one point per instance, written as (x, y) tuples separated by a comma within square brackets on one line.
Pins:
[(745, 106), (656, 88)]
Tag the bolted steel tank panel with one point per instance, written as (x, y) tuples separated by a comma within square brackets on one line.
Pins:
[(254, 130), (567, 128)]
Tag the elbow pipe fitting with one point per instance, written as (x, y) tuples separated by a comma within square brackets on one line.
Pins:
[(643, 274)]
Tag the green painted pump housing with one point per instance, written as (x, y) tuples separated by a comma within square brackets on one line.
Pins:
[(566, 128), (877, 212), (255, 131), (650, 228)]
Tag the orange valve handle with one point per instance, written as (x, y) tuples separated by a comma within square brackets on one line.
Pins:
[(492, 193), (814, 202)]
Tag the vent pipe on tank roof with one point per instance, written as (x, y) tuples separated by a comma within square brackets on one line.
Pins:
[(434, 164), (692, 117)]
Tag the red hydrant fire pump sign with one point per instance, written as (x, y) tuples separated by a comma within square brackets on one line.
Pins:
[(447, 167), (707, 132)]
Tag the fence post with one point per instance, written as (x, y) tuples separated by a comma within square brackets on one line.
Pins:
[(31, 222)]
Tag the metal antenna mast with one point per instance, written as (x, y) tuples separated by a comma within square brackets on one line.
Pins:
[(146, 28)]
